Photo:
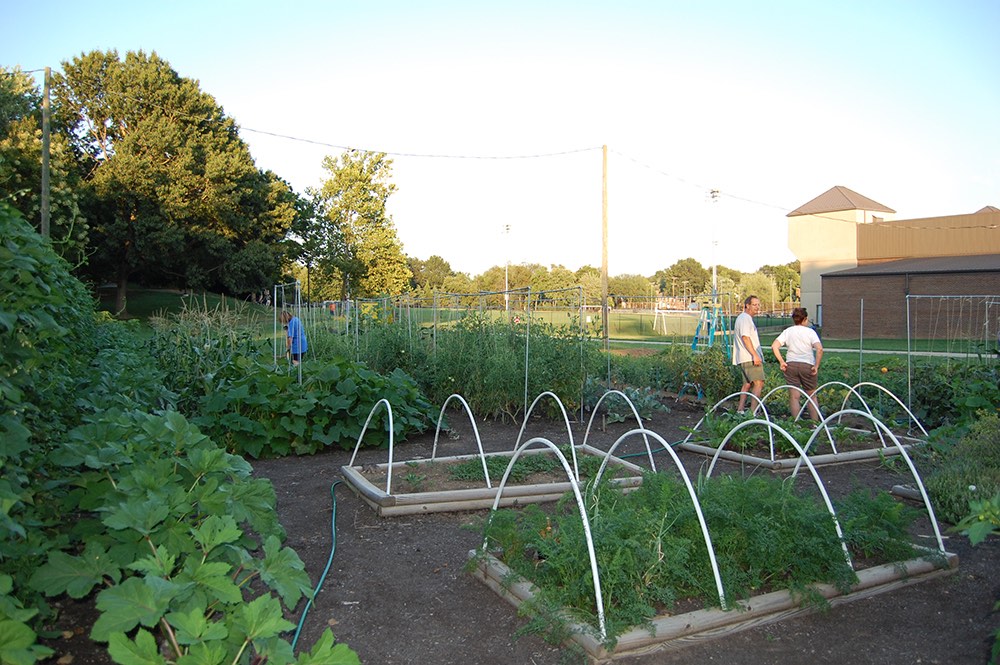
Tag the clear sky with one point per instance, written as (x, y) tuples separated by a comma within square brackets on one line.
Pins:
[(495, 112)]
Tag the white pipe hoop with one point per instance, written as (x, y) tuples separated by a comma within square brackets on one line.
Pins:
[(635, 413), (802, 457), (574, 483), (569, 430), (475, 430), (388, 408), (694, 500)]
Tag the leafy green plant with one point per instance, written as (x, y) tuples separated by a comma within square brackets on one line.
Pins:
[(95, 495), (645, 400), (175, 534), (957, 466), (983, 521), (714, 372), (651, 552), (261, 412), (198, 347)]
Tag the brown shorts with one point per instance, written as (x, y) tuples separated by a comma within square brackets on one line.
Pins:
[(800, 375)]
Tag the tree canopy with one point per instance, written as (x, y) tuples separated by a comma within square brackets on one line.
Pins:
[(176, 195), (357, 240)]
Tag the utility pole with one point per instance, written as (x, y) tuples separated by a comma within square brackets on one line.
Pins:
[(506, 270), (714, 194), (45, 154), (604, 243)]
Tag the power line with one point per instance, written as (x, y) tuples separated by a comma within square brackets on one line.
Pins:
[(417, 154)]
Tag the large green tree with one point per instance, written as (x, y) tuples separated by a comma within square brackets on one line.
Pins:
[(355, 237), (21, 167), (685, 276), (177, 197)]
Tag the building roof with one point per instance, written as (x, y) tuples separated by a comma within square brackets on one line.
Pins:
[(975, 263), (987, 209), (837, 199)]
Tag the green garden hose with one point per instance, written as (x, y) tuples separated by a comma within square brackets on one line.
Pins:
[(329, 562)]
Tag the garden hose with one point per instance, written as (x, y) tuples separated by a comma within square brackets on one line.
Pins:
[(329, 562), (654, 451)]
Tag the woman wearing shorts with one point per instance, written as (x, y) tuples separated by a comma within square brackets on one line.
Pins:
[(801, 365)]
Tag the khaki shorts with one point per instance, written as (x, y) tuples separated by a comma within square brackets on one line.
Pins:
[(752, 372)]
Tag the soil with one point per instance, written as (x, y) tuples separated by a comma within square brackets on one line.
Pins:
[(397, 592)]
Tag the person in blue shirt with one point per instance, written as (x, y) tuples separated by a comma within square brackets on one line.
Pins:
[(295, 342)]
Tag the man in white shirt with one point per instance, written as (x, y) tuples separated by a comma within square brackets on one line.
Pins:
[(747, 353)]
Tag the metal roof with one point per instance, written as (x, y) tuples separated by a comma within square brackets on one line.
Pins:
[(975, 263), (837, 199)]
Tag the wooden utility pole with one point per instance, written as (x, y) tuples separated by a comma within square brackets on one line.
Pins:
[(45, 154), (604, 244)]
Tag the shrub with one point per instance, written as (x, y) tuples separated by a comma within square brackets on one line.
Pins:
[(967, 470)]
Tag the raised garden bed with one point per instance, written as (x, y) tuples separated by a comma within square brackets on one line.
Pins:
[(830, 443), (770, 550), (422, 485), (673, 631)]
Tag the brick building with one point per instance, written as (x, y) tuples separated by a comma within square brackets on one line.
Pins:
[(884, 286), (850, 248)]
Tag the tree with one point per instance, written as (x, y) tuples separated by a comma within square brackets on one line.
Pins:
[(786, 279), (686, 276), (756, 284), (631, 286), (177, 196), (21, 168), (362, 250), (431, 273)]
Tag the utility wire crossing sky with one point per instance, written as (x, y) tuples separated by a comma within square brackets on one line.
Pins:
[(495, 113)]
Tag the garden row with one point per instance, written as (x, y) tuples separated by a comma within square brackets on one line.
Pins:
[(124, 478)]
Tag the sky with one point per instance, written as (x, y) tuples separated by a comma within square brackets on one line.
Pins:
[(495, 114)]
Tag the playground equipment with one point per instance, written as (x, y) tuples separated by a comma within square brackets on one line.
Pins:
[(712, 324)]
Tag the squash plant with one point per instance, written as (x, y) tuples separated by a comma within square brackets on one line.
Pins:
[(182, 544), (263, 412)]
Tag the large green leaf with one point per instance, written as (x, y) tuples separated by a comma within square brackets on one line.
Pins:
[(137, 514), (193, 627), (75, 576), (283, 570), (141, 651), (262, 618), (327, 652), (216, 530), (125, 606), (213, 578)]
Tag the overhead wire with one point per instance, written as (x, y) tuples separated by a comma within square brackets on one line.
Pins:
[(540, 155)]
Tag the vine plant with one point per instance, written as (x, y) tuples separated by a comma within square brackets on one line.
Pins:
[(183, 545)]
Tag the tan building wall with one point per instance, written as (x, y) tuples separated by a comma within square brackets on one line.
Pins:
[(823, 243), (953, 235)]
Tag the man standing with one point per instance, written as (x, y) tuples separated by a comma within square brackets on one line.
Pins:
[(747, 353)]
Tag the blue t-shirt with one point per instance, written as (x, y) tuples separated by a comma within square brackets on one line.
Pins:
[(298, 336)]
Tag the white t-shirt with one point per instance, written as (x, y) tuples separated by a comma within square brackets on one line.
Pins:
[(745, 327), (799, 340)]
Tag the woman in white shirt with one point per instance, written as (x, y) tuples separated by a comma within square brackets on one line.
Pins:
[(805, 352)]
